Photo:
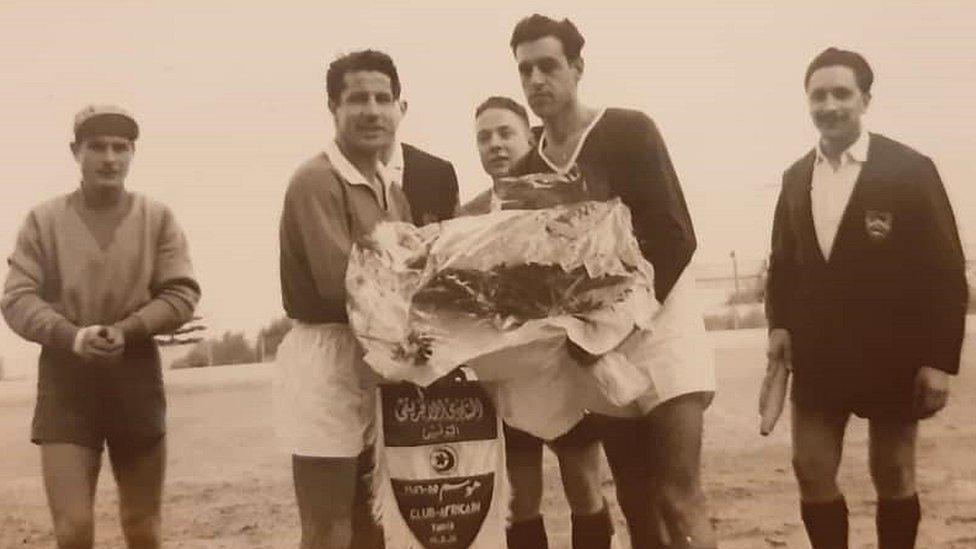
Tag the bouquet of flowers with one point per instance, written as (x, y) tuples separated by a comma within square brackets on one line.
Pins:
[(423, 301)]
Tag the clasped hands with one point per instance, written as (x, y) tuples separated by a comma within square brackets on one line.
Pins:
[(99, 344)]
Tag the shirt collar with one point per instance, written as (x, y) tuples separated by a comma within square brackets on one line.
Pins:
[(346, 169), (392, 171), (857, 152)]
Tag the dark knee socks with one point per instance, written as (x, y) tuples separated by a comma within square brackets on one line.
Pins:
[(527, 534), (897, 522), (589, 532), (592, 531), (826, 523)]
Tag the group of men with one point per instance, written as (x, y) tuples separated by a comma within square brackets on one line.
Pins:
[(865, 280)]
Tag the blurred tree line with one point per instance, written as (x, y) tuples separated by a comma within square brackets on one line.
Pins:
[(742, 309), (744, 306), (235, 348)]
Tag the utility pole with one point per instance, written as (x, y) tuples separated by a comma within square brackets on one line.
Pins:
[(735, 271), (735, 295)]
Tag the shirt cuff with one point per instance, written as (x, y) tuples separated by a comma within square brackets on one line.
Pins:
[(78, 345)]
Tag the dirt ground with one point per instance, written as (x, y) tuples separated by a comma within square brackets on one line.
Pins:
[(229, 486)]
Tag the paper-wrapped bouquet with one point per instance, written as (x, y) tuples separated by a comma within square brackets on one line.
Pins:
[(539, 190), (423, 301)]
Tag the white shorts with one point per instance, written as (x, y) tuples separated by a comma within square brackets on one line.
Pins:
[(545, 401), (324, 396), (675, 358)]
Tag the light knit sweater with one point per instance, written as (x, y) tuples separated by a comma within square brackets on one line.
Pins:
[(74, 266)]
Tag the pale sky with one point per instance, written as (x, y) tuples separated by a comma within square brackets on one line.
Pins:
[(230, 97)]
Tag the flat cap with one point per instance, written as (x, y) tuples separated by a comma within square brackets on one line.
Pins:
[(105, 120)]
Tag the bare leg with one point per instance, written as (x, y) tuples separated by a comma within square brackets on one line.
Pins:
[(325, 489), (139, 474), (579, 467), (70, 477), (636, 477), (818, 442), (892, 457), (366, 533), (676, 428), (523, 456)]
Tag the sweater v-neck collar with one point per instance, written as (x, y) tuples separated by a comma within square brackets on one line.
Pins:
[(101, 224)]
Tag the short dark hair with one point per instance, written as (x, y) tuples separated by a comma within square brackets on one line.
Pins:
[(850, 59), (499, 102), (364, 60), (538, 26)]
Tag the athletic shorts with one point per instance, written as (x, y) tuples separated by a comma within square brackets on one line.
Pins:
[(855, 391), (544, 402), (674, 358), (583, 434), (121, 404), (324, 393)]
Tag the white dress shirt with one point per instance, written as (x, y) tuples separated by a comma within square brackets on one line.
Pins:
[(831, 189), (393, 169)]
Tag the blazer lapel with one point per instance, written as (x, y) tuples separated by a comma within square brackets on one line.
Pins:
[(807, 231), (409, 164), (852, 222), (415, 198)]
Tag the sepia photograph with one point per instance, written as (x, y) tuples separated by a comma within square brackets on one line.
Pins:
[(524, 275)]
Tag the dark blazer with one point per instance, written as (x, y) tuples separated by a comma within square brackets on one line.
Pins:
[(430, 184), (893, 294)]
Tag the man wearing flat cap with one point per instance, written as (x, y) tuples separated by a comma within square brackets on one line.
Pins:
[(94, 275)]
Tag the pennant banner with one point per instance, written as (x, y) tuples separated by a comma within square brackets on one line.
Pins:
[(440, 478)]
